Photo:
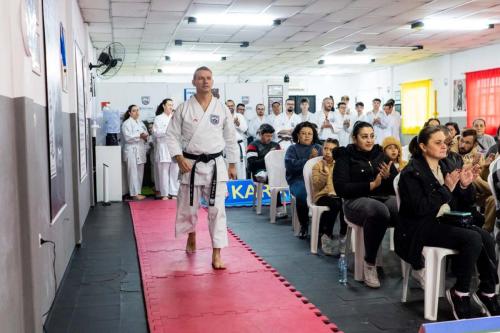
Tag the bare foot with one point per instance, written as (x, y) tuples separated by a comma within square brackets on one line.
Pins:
[(139, 197), (217, 262), (164, 198), (191, 243)]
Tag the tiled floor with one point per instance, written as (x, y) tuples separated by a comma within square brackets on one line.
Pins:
[(102, 292)]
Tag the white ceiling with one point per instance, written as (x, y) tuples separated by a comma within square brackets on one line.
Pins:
[(310, 29)]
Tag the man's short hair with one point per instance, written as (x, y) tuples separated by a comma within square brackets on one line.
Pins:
[(202, 68), (257, 106), (266, 128), (240, 104), (479, 119), (470, 132), (377, 100), (329, 97), (389, 104), (341, 103), (275, 103), (290, 99), (304, 100), (360, 104), (229, 100), (332, 140)]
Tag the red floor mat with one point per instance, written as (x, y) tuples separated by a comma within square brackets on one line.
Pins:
[(184, 294)]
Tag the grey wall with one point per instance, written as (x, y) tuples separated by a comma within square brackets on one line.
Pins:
[(27, 286), (11, 303)]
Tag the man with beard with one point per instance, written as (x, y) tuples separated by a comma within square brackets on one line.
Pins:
[(285, 124), (467, 148), (324, 120)]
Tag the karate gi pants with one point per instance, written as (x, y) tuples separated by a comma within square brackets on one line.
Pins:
[(135, 172), (168, 174), (241, 166), (187, 216)]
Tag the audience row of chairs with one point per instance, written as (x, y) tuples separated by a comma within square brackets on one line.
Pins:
[(434, 256)]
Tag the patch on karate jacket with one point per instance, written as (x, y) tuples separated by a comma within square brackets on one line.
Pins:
[(214, 119)]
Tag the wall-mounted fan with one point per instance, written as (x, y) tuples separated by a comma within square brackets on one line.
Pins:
[(110, 60)]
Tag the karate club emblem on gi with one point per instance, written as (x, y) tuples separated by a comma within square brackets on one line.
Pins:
[(145, 100), (214, 119)]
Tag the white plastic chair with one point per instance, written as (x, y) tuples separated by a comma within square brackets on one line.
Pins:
[(295, 218), (356, 234), (495, 165), (316, 210), (275, 167), (257, 196), (435, 272)]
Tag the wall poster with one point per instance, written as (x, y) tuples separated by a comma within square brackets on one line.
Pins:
[(51, 31), (80, 110), (459, 98)]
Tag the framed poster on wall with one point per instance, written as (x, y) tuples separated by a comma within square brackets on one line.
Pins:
[(275, 90), (188, 92), (55, 117), (459, 98), (80, 111)]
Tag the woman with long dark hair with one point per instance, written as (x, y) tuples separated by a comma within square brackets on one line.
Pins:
[(135, 135), (305, 147), (429, 190), (166, 170), (363, 178)]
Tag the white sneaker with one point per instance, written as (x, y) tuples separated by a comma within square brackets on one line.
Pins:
[(281, 212), (419, 276), (371, 276), (327, 245)]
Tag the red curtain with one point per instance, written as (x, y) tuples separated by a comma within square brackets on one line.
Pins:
[(483, 98)]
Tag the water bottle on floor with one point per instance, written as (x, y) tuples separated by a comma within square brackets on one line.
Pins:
[(343, 269)]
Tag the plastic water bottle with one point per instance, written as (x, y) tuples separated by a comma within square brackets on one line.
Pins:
[(343, 269)]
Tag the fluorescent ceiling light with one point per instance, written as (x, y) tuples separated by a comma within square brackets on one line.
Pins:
[(178, 70), (235, 19), (454, 24), (195, 57), (347, 60), (333, 71)]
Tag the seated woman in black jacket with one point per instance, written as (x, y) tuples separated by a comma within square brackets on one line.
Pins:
[(428, 189), (364, 180)]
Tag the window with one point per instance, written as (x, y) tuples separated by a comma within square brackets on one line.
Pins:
[(417, 105), (483, 97)]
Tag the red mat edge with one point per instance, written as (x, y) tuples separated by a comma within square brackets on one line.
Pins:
[(152, 317), (332, 326)]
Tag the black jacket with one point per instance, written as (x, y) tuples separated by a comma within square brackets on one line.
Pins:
[(256, 152), (355, 169), (421, 197)]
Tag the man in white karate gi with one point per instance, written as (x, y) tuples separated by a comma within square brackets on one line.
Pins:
[(202, 127), (240, 123)]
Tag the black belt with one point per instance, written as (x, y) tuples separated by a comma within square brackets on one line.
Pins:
[(204, 158), (241, 150)]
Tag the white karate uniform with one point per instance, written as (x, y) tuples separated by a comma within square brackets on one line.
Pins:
[(325, 133), (285, 122), (395, 124), (195, 131), (134, 153), (309, 116), (168, 170), (241, 139), (343, 133), (255, 124), (381, 130)]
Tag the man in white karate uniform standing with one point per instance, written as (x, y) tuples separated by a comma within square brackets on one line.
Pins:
[(202, 127)]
